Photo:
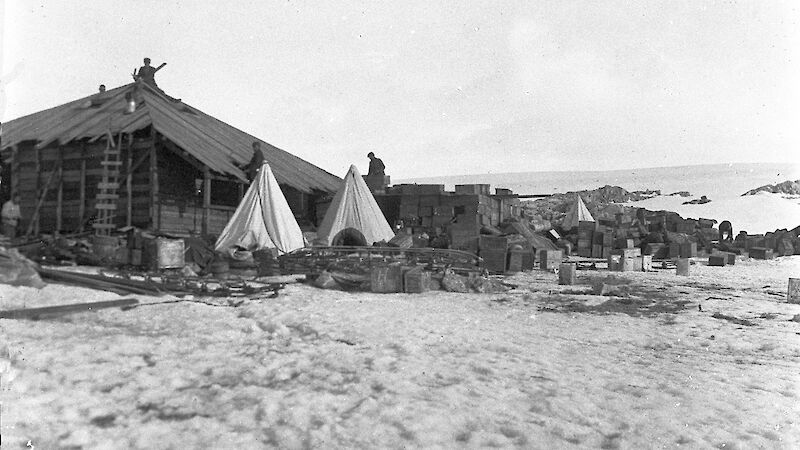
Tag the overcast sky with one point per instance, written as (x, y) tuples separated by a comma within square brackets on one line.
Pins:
[(441, 88)]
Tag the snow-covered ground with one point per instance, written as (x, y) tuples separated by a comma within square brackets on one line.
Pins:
[(541, 366), (756, 214)]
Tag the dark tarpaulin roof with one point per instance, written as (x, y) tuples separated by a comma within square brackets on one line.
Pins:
[(216, 144)]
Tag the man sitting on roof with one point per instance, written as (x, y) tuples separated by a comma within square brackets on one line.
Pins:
[(252, 168)]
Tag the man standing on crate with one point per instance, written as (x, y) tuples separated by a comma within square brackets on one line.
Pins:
[(376, 167), (11, 216)]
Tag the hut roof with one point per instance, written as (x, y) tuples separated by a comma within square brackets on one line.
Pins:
[(216, 144)]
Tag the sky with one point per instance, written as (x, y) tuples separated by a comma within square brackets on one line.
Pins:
[(440, 88)]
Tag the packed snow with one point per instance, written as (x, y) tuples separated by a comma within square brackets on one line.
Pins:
[(541, 366)]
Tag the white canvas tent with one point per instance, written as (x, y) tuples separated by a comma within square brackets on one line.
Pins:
[(262, 220), (578, 213), (354, 210)]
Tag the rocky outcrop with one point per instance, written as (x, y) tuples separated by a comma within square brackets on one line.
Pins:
[(787, 187), (555, 207)]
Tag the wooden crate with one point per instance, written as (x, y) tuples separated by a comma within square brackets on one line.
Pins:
[(493, 242), (550, 259), (416, 281), (688, 250), (717, 260), (494, 261), (388, 278), (162, 253), (761, 253)]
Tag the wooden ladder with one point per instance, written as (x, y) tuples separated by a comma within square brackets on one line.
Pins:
[(108, 188)]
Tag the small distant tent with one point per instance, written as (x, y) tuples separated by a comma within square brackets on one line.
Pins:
[(262, 220), (354, 217), (578, 213)]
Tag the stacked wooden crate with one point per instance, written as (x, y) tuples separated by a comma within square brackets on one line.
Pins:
[(494, 251), (628, 259), (585, 238)]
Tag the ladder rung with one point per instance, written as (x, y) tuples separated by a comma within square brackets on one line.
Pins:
[(105, 206), (107, 226), (111, 152), (107, 196), (107, 185), (111, 163)]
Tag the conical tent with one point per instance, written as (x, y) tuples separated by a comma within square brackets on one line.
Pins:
[(354, 209), (578, 213), (263, 219)]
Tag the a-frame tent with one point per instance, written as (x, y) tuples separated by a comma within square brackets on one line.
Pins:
[(577, 213), (262, 220), (354, 213)]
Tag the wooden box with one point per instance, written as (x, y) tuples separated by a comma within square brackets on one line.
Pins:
[(717, 259), (416, 281), (493, 242), (162, 253), (388, 278), (761, 253), (629, 252), (550, 259), (688, 250), (515, 260), (567, 273), (494, 261)]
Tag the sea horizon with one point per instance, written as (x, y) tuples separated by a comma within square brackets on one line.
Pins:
[(724, 180)]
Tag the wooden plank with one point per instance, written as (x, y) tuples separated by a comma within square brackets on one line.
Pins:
[(107, 206), (110, 163), (104, 226), (106, 196), (35, 313), (105, 185)]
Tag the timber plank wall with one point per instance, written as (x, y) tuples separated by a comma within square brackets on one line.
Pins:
[(167, 200), (71, 191)]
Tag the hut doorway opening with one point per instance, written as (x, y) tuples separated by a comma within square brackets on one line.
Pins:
[(349, 237)]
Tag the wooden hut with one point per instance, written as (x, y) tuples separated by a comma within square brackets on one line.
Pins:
[(138, 157)]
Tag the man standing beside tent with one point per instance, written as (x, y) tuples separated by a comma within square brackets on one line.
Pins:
[(11, 215), (263, 220), (256, 161)]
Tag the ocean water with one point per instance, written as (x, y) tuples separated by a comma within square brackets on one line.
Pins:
[(717, 181)]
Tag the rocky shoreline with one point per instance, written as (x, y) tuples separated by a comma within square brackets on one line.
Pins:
[(787, 187)]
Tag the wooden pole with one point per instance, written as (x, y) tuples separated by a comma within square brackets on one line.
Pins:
[(14, 170), (206, 200), (82, 206), (155, 218), (129, 182), (35, 218), (60, 194)]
